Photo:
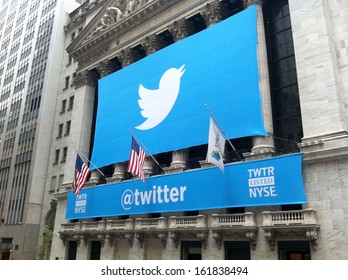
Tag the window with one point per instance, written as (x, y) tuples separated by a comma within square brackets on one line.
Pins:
[(61, 180), (67, 128), (56, 156), (283, 77), (53, 182), (60, 131), (65, 152), (71, 103), (67, 81), (63, 106)]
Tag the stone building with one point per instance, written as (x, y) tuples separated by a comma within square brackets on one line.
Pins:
[(303, 80), (30, 56)]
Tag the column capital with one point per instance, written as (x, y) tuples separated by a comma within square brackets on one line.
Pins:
[(126, 57), (248, 3), (85, 78), (213, 13), (179, 30), (106, 67), (150, 44)]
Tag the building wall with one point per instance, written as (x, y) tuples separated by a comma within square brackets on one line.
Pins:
[(319, 30), (33, 37)]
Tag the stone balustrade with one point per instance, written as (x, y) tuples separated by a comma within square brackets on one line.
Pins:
[(151, 223), (182, 222), (119, 225), (221, 226), (232, 220), (295, 217), (303, 222)]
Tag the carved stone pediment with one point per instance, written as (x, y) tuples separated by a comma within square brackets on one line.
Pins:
[(114, 19)]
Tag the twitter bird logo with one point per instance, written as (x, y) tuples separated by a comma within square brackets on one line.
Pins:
[(156, 104)]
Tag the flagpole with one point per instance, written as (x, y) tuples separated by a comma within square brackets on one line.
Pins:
[(146, 150), (223, 132), (89, 162)]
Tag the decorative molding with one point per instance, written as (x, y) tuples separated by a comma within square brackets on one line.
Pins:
[(109, 24), (175, 236), (106, 67), (85, 78), (179, 30), (94, 56), (312, 235), (125, 57), (270, 237), (109, 18), (151, 44), (245, 233), (212, 13)]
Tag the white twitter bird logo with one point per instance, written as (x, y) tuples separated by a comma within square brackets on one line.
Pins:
[(156, 104)]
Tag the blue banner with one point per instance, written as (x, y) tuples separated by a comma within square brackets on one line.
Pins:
[(275, 181), (162, 97)]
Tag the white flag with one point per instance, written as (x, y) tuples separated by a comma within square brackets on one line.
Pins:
[(216, 146)]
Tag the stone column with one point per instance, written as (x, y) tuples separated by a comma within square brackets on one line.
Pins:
[(150, 45), (95, 177), (82, 252), (179, 160), (119, 169), (80, 133), (179, 30), (324, 117), (149, 167), (106, 67), (263, 147)]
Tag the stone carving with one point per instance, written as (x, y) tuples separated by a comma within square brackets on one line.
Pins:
[(114, 14), (111, 16)]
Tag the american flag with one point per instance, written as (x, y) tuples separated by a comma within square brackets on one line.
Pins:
[(136, 160), (80, 177)]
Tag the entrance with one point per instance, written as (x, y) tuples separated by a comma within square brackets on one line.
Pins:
[(191, 250), (72, 249), (95, 250), (237, 250), (294, 250)]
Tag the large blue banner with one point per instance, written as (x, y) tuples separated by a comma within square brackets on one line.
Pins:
[(162, 97), (275, 181)]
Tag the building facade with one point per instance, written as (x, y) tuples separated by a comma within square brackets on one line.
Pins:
[(303, 63), (31, 53)]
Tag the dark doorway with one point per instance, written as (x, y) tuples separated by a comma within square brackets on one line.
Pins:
[(237, 250), (72, 249), (294, 250), (191, 250), (95, 250), (6, 255)]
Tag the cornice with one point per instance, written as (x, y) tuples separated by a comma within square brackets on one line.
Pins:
[(89, 43), (79, 15)]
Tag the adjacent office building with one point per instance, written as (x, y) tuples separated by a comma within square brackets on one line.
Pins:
[(32, 50), (277, 85)]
